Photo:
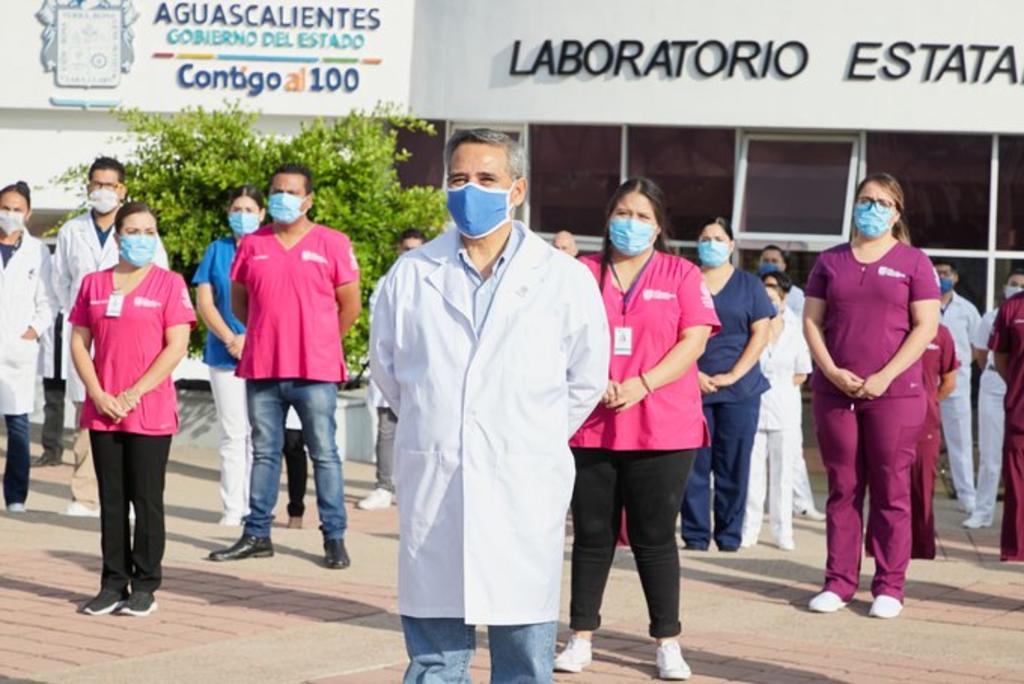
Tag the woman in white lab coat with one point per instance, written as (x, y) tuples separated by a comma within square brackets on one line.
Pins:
[(786, 362), (26, 311)]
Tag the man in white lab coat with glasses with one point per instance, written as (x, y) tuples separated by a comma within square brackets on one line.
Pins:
[(492, 348)]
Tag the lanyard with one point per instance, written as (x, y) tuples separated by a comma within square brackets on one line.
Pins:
[(628, 294)]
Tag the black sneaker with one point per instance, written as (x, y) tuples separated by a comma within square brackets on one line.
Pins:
[(139, 604), (106, 602)]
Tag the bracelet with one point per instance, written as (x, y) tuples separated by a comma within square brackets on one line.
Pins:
[(643, 381)]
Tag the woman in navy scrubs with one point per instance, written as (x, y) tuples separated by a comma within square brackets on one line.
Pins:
[(731, 383)]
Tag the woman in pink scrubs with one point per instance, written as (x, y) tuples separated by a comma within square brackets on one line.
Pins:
[(635, 450), (872, 308), (136, 318)]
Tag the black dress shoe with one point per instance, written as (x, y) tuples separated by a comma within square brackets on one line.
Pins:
[(246, 547), (335, 555), (47, 460)]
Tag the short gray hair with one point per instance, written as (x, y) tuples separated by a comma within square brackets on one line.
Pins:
[(514, 150)]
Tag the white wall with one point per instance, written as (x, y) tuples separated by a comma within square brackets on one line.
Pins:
[(463, 53)]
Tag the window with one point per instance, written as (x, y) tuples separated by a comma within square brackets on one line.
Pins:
[(1010, 211), (426, 165), (973, 273), (573, 172), (946, 180), (796, 187), (694, 167)]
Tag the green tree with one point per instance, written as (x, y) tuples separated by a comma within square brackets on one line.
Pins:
[(183, 166)]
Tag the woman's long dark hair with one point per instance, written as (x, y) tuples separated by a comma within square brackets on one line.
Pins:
[(650, 190)]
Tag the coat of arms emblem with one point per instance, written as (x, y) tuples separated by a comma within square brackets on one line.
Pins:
[(87, 44)]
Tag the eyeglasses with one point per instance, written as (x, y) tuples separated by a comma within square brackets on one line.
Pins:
[(871, 203)]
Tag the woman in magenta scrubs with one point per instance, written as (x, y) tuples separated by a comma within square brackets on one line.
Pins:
[(872, 308), (635, 450)]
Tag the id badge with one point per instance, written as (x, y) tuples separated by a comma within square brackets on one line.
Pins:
[(623, 341), (114, 305)]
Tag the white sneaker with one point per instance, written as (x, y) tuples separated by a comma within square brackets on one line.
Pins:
[(812, 514), (16, 508), (786, 545), (230, 520), (885, 607), (576, 655), (79, 510), (670, 662), (976, 521), (826, 602), (377, 500)]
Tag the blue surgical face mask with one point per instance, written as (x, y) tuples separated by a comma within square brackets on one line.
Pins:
[(285, 208), (767, 267), (478, 211), (945, 284), (243, 222), (1011, 290), (138, 250), (872, 219), (712, 253), (630, 236)]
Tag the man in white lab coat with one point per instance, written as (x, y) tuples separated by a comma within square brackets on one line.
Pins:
[(961, 317), (26, 312), (991, 415), (84, 245), (492, 348)]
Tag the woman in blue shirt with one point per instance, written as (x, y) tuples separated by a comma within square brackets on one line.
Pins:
[(224, 342), (731, 384)]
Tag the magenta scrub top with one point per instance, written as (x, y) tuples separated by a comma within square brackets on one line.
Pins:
[(667, 297), (867, 315), (1008, 338)]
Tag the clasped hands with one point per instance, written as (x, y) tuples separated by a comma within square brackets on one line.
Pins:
[(856, 387), (117, 408), (624, 395)]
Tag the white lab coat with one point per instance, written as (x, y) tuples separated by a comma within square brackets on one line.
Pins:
[(374, 398), (991, 424), (483, 468), (795, 301), (26, 300), (961, 317), (77, 255)]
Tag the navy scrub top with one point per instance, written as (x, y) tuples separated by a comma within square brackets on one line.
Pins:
[(741, 302), (215, 270)]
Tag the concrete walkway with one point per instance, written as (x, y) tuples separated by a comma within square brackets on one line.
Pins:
[(286, 619)]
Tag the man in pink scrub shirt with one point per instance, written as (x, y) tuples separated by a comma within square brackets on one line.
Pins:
[(1007, 343), (296, 287)]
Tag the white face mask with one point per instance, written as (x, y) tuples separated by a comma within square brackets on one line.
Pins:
[(104, 200), (1011, 290), (11, 221)]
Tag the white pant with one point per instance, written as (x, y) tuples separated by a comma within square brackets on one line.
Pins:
[(772, 456), (235, 441), (956, 428), (803, 496), (991, 416)]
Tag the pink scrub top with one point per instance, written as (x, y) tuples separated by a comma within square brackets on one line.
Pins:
[(667, 297), (1008, 338), (292, 329), (867, 314), (125, 346)]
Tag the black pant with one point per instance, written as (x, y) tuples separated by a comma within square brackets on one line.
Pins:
[(649, 485), (298, 471), (53, 417), (131, 468)]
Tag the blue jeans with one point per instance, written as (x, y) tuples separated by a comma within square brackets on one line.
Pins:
[(440, 650), (16, 470), (314, 402), (732, 426)]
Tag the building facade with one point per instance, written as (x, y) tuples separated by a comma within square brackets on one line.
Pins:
[(767, 113)]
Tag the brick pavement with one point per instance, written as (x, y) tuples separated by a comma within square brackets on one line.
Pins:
[(288, 620)]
